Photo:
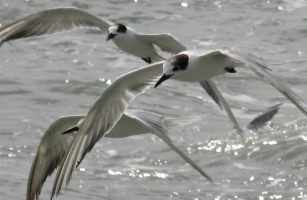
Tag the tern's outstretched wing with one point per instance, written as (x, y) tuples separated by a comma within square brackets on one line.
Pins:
[(166, 42), (216, 95), (104, 114), (51, 21), (259, 68), (50, 153), (155, 123), (54, 144)]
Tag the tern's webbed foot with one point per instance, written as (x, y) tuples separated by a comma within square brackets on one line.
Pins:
[(147, 60), (230, 70)]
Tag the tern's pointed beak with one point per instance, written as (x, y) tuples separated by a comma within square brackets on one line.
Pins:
[(110, 36), (162, 79)]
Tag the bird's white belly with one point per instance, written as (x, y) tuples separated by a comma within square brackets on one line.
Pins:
[(135, 47), (199, 74)]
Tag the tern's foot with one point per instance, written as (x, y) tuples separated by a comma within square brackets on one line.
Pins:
[(230, 70), (147, 60)]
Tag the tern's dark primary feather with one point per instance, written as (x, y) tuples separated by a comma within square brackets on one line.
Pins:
[(262, 119)]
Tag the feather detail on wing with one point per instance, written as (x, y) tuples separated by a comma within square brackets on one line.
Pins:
[(156, 124), (104, 114), (262, 119), (259, 68), (51, 21), (216, 95), (166, 42), (50, 153)]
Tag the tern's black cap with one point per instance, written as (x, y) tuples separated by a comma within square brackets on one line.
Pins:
[(121, 28), (180, 62)]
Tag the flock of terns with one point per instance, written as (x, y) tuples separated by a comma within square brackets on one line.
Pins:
[(70, 138)]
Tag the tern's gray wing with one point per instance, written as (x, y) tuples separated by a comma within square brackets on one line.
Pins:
[(51, 21), (212, 90), (166, 42), (257, 66), (155, 123), (104, 114), (54, 145), (51, 151), (262, 119)]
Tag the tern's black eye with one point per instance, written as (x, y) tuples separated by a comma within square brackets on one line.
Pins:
[(175, 69), (121, 28)]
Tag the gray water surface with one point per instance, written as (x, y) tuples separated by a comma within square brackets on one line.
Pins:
[(47, 77)]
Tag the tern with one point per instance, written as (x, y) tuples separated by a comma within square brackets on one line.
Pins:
[(64, 19), (138, 44), (103, 116), (55, 144), (192, 66), (57, 138)]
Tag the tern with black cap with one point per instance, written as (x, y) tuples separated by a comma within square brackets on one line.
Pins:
[(198, 65), (64, 19)]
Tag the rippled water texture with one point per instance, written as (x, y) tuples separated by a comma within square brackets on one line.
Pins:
[(47, 77)]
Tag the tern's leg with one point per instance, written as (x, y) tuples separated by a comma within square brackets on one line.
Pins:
[(215, 94), (147, 60), (230, 69)]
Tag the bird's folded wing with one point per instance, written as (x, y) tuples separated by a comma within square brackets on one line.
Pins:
[(104, 114), (216, 95), (51, 21), (51, 151), (156, 124), (259, 68), (166, 42)]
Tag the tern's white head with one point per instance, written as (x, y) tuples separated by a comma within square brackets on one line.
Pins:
[(174, 66), (116, 30)]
